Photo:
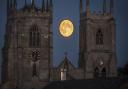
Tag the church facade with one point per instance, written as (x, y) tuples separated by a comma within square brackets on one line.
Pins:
[(98, 42), (28, 48)]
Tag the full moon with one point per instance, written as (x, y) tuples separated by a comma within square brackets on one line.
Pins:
[(66, 28)]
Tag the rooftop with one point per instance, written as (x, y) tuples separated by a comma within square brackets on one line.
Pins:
[(108, 83)]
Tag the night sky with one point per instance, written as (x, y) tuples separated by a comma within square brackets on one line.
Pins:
[(69, 9)]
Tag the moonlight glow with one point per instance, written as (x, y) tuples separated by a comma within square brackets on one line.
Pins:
[(66, 28)]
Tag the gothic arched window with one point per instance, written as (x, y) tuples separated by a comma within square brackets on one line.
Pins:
[(34, 37), (99, 37), (103, 73), (35, 56), (63, 73), (34, 71), (96, 72)]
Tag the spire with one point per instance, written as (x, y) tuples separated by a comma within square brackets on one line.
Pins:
[(8, 6), (65, 61), (33, 3), (87, 7), (104, 6), (47, 6), (25, 3), (43, 5), (11, 3), (51, 5), (15, 4), (111, 6), (65, 54), (81, 6)]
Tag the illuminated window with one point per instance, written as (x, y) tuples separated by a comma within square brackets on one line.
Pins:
[(63, 74), (34, 37), (99, 37)]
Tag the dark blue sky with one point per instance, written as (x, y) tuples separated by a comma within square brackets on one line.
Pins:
[(64, 9)]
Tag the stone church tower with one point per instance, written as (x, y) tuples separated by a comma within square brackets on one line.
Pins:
[(28, 48), (97, 42), (27, 53)]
